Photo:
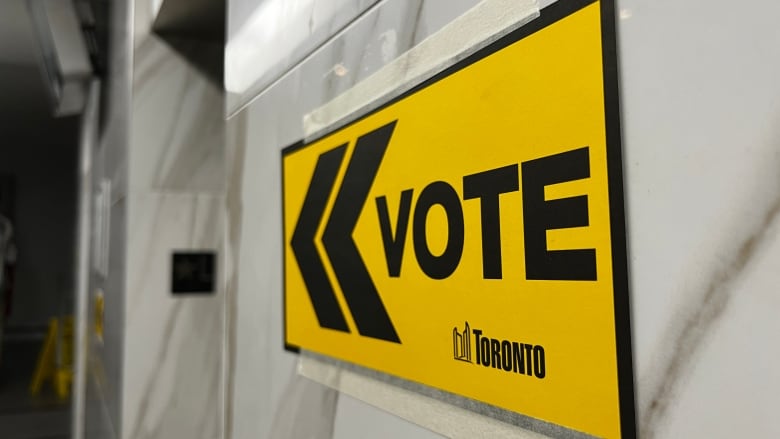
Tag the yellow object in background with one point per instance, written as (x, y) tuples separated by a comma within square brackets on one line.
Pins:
[(55, 360), (98, 317), (46, 359)]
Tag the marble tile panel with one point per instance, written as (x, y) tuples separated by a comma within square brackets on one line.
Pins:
[(177, 124), (730, 387), (98, 422), (260, 369), (102, 416), (700, 109), (701, 158), (235, 150), (104, 354), (173, 344)]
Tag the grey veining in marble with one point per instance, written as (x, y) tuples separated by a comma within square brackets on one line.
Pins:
[(173, 344), (178, 129), (701, 160), (172, 383), (702, 316), (157, 370)]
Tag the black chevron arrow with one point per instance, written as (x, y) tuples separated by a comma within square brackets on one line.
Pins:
[(359, 290), (326, 307)]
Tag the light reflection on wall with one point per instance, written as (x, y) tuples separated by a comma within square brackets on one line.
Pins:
[(278, 34)]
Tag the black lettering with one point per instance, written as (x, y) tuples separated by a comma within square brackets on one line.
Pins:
[(519, 363), (487, 186), (442, 266), (485, 349), (357, 286), (326, 306), (495, 348), (394, 245), (506, 355), (539, 366), (528, 359), (541, 215), (477, 333)]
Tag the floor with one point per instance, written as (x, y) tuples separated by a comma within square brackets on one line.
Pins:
[(23, 416)]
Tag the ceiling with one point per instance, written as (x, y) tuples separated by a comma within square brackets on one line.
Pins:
[(17, 43), (23, 96)]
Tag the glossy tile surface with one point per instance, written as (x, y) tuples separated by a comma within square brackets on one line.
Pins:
[(172, 379), (701, 154), (172, 343), (103, 412), (157, 372), (701, 160)]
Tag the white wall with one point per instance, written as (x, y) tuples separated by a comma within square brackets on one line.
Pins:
[(172, 366), (157, 372), (700, 103), (103, 412)]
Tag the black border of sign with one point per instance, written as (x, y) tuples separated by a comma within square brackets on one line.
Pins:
[(550, 15)]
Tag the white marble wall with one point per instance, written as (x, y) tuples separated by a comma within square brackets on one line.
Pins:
[(172, 358), (103, 413), (701, 105), (177, 126), (702, 154), (173, 345)]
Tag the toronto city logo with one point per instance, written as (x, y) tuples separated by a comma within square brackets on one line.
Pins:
[(461, 344), (509, 356)]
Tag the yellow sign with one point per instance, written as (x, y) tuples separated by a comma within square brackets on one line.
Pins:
[(55, 361), (469, 235)]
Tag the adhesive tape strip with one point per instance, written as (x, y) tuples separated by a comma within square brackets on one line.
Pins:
[(481, 25), (442, 412)]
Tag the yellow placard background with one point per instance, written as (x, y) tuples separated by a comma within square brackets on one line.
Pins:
[(539, 96)]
